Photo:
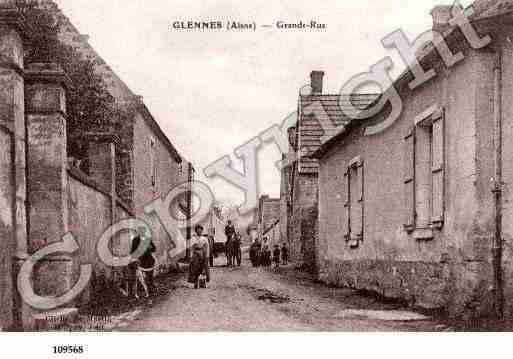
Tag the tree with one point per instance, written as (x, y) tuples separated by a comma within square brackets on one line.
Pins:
[(90, 106)]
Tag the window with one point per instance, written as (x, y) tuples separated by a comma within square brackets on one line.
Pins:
[(424, 174), (354, 205)]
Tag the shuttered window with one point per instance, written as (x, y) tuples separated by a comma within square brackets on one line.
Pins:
[(424, 174), (355, 202)]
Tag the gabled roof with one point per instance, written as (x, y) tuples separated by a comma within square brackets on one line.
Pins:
[(483, 11), (116, 87), (490, 8), (333, 117)]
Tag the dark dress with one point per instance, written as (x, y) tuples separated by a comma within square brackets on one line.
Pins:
[(145, 258), (197, 265), (229, 231), (276, 256), (142, 253), (254, 254), (285, 254)]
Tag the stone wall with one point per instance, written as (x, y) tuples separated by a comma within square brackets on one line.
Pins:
[(13, 224), (303, 221), (89, 216), (452, 270), (284, 203), (269, 213), (7, 238), (156, 173), (274, 236), (507, 171)]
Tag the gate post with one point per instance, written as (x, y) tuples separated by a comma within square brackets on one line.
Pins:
[(47, 175), (12, 118)]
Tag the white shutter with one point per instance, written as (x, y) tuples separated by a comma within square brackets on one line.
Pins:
[(438, 169)]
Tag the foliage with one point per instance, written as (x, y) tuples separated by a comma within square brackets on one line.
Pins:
[(90, 106)]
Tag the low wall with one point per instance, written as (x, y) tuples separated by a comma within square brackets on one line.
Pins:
[(89, 216), (444, 287)]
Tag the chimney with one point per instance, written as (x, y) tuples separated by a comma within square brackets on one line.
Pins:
[(316, 78), (441, 15)]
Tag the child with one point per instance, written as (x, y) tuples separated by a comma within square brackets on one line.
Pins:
[(285, 254), (276, 255), (268, 257)]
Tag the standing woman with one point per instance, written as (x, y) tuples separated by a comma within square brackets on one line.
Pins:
[(200, 245)]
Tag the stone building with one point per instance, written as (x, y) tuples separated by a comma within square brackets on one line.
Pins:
[(45, 194), (319, 115), (422, 210)]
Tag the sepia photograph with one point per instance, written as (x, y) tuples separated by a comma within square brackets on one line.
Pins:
[(223, 166)]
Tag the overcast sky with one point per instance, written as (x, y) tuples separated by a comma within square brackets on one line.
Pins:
[(213, 91)]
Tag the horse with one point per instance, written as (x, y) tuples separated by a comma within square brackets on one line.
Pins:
[(229, 251), (236, 250)]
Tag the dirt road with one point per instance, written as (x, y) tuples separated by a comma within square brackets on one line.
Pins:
[(249, 299)]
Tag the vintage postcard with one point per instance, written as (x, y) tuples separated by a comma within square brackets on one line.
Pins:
[(255, 166)]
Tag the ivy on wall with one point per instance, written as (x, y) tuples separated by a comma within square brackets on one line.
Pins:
[(90, 106)]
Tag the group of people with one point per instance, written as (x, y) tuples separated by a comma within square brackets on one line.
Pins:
[(141, 270), (261, 254), (142, 267)]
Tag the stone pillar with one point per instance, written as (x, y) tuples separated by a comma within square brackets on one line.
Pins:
[(101, 155), (12, 119), (47, 174)]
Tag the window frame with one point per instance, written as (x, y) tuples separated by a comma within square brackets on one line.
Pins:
[(430, 120)]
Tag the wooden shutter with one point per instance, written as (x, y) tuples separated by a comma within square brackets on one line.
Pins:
[(153, 170), (357, 203), (438, 169), (347, 204), (409, 180)]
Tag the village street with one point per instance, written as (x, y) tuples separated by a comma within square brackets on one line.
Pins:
[(242, 299)]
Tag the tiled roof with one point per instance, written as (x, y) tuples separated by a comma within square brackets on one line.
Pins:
[(482, 9), (490, 8), (334, 117)]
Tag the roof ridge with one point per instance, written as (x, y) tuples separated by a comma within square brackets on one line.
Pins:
[(125, 95)]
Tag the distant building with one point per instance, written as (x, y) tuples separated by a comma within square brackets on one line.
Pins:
[(268, 214), (319, 115), (45, 193)]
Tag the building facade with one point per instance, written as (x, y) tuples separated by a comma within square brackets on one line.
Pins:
[(268, 214), (421, 211), (319, 116), (45, 194)]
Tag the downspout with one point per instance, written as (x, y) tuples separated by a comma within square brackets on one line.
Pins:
[(113, 194), (497, 187)]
